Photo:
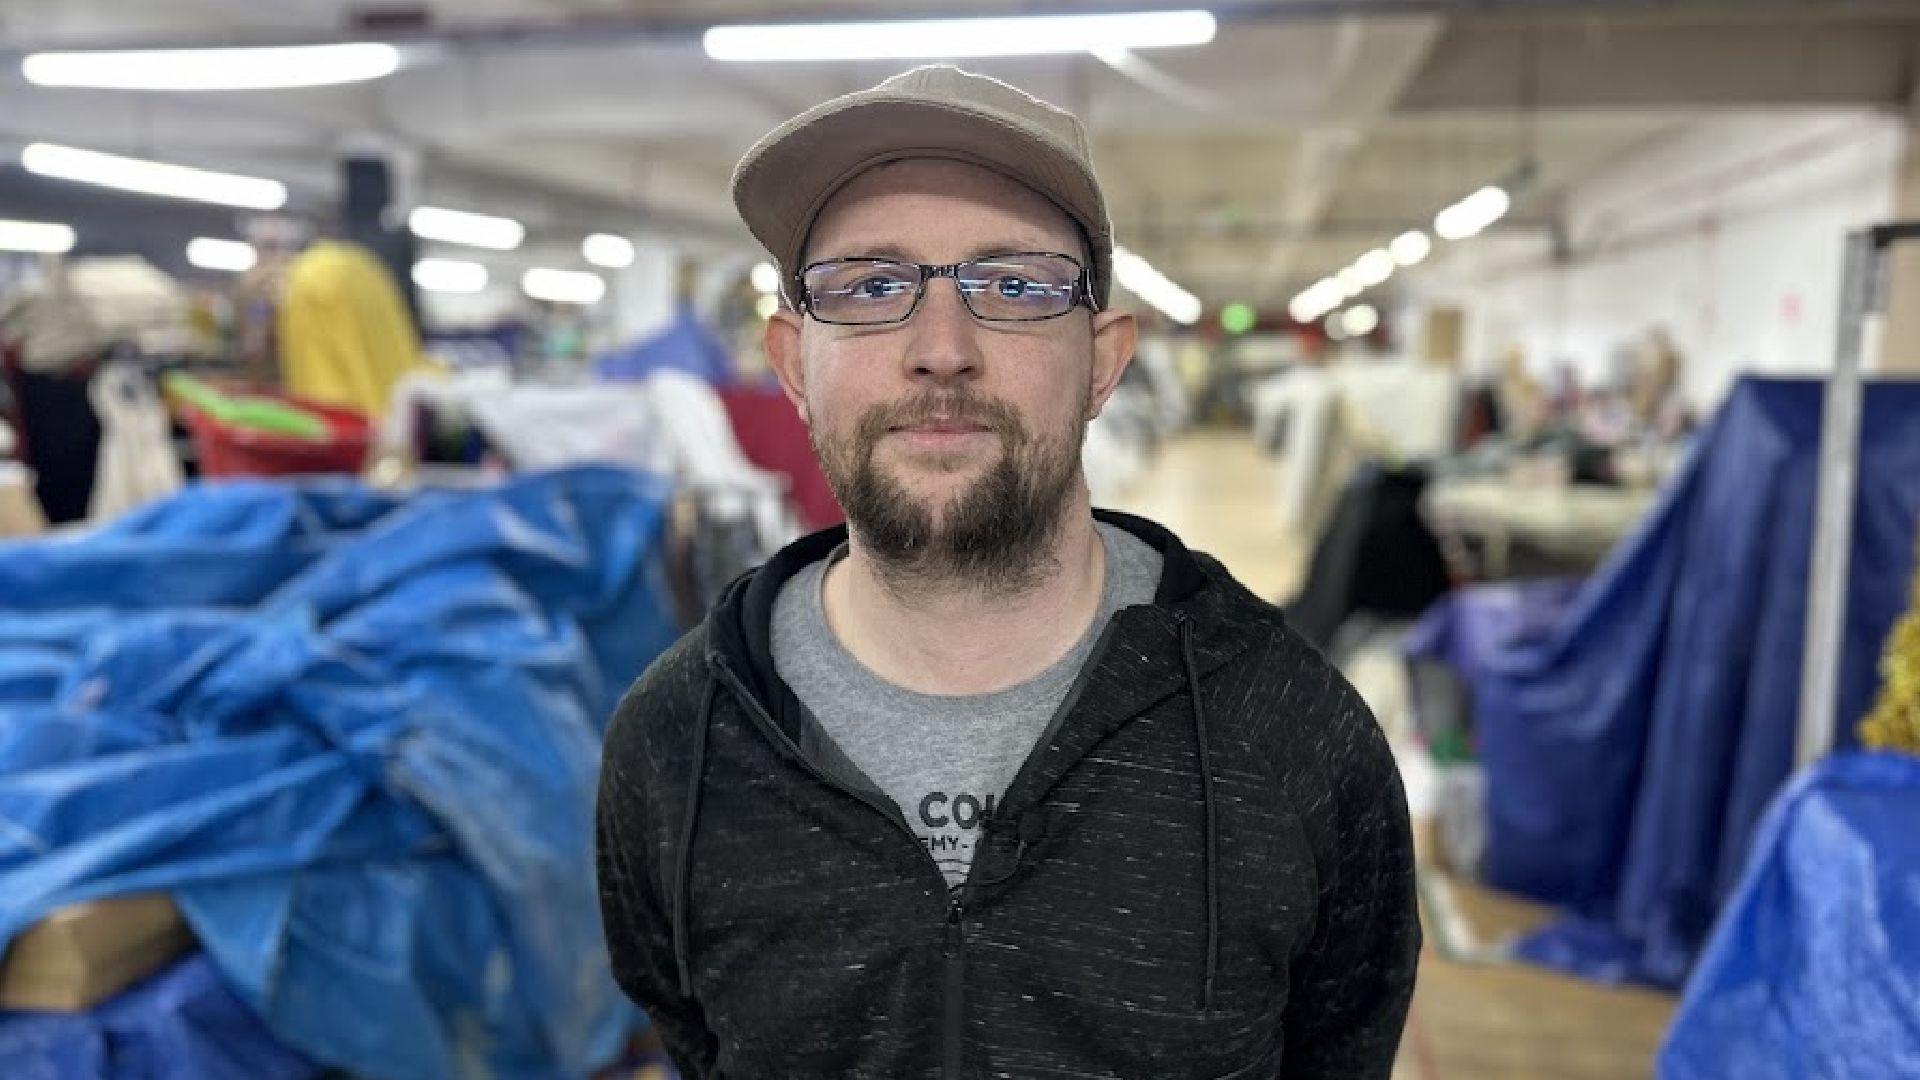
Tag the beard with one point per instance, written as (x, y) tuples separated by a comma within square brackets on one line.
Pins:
[(994, 536)]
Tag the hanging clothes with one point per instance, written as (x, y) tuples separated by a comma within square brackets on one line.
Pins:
[(773, 436), (137, 460), (345, 335), (685, 345)]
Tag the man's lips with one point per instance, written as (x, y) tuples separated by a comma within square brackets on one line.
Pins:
[(943, 427)]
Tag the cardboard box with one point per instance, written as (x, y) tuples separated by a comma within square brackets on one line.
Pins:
[(19, 509), (84, 954)]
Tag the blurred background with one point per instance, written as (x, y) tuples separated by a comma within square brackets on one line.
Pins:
[(383, 390)]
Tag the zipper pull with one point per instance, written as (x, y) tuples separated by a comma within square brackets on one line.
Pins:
[(954, 930)]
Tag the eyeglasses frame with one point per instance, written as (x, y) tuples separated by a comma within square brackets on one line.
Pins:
[(1082, 286)]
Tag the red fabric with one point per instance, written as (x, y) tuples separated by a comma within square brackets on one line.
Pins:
[(773, 436)]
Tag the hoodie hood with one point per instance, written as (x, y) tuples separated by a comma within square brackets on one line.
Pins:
[(741, 624)]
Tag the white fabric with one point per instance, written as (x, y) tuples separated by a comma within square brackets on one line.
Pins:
[(137, 460), (1400, 410), (670, 423), (88, 306), (135, 303), (52, 326)]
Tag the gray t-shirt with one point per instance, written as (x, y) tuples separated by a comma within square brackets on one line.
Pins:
[(944, 759)]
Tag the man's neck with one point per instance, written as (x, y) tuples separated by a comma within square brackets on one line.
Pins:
[(962, 640)]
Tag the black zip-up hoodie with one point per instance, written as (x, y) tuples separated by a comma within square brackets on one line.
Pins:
[(1204, 870)]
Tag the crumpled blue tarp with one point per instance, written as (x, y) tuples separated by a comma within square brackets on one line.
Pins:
[(1475, 628), (368, 784), (1630, 749), (685, 344), (1814, 968), (183, 1023)]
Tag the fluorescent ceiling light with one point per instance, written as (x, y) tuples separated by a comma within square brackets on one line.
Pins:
[(152, 177), (449, 275), (766, 306), (765, 278), (274, 68), (40, 237), (1472, 214), (1140, 278), (1374, 267), (230, 255), (1316, 300), (1410, 247), (461, 227), (938, 39), (563, 286), (605, 249), (1350, 282), (1360, 320)]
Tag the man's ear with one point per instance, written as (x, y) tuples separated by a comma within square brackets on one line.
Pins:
[(1114, 335), (781, 339)]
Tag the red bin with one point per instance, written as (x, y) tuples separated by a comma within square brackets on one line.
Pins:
[(224, 450)]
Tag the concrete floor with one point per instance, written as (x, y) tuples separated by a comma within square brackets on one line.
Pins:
[(1472, 1020)]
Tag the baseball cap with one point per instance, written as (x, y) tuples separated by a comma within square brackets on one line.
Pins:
[(933, 111)]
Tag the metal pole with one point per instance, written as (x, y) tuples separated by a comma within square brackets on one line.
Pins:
[(1862, 295)]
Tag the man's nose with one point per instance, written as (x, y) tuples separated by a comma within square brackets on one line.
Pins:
[(944, 340)]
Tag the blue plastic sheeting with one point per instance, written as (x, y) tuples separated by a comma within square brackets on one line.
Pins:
[(1474, 628), (686, 344), (370, 791), (1814, 969), (228, 545), (1630, 749), (181, 1024)]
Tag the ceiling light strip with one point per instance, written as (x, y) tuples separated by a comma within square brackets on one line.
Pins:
[(153, 177), (269, 68), (951, 39)]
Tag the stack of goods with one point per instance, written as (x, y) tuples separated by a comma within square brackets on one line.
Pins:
[(1632, 741), (1831, 894), (1812, 968), (55, 333), (353, 739)]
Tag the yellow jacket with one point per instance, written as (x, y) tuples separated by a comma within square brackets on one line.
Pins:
[(345, 334)]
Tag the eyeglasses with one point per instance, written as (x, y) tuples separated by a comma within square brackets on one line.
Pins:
[(1021, 286)]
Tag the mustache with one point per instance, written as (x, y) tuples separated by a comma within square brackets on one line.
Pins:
[(947, 405)]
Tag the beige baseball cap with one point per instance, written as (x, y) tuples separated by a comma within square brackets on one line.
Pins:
[(933, 111)]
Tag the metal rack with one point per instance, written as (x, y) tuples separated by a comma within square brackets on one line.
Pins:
[(1863, 295)]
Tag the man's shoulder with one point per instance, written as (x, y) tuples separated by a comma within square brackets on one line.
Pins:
[(664, 699), (1296, 705)]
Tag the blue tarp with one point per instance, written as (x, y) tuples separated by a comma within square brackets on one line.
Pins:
[(356, 738), (1630, 749), (181, 1024), (686, 345), (1814, 968)]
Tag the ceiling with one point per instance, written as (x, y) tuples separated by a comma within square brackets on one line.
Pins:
[(1306, 133)]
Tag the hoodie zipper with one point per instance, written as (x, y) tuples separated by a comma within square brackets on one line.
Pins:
[(954, 935), (956, 955)]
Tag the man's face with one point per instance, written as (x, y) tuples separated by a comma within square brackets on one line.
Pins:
[(952, 443)]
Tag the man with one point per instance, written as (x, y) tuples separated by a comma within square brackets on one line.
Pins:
[(988, 783)]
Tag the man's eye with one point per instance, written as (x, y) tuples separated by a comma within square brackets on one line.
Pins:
[(1013, 288), (877, 288)]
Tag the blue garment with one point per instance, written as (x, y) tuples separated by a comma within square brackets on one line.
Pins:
[(364, 769), (686, 344), (1630, 749), (1814, 967)]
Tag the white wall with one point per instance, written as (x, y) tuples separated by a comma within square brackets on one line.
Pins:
[(1729, 235)]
